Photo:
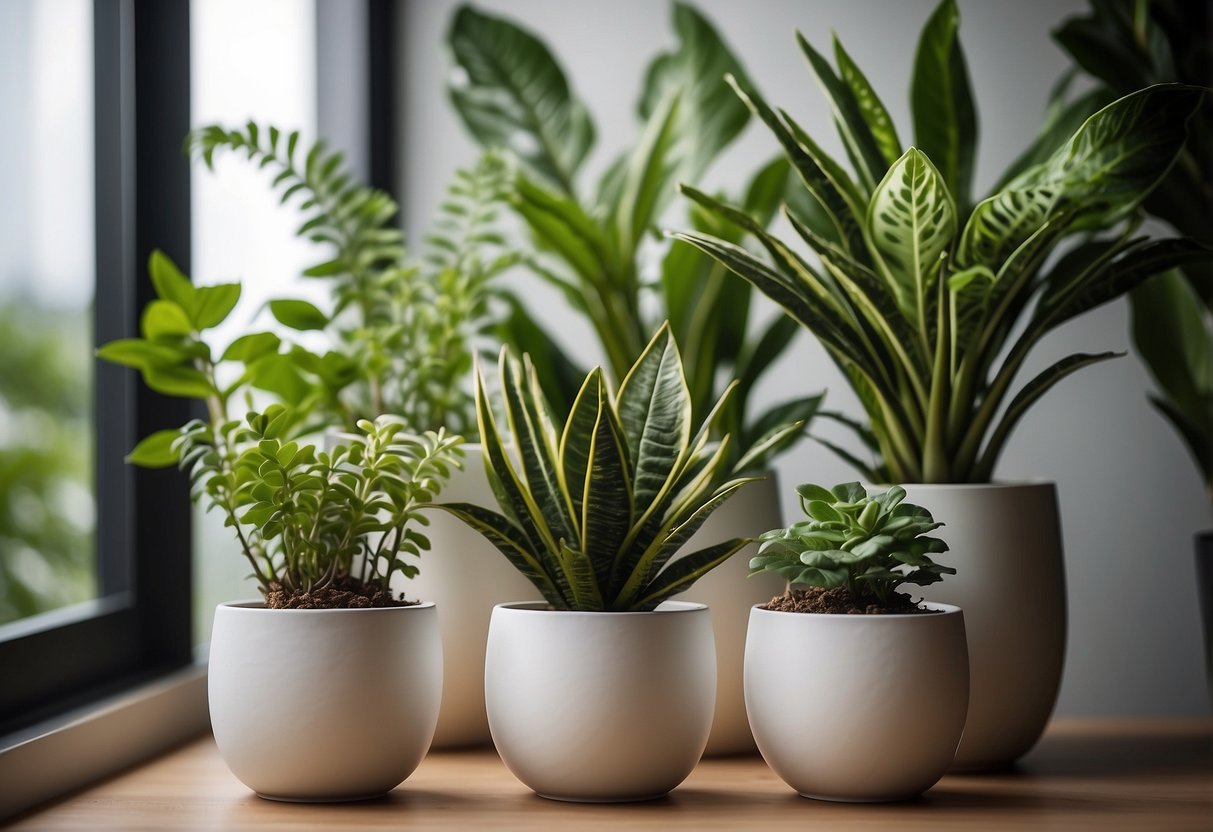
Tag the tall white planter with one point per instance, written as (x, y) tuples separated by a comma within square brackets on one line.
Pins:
[(857, 708), (1005, 543), (730, 594), (600, 706), (465, 576), (324, 705)]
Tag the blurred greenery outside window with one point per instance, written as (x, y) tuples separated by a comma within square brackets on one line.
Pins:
[(47, 278)]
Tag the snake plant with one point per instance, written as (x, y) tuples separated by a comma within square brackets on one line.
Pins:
[(594, 514), (929, 304)]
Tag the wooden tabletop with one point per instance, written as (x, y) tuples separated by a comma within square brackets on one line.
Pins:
[(1104, 775)]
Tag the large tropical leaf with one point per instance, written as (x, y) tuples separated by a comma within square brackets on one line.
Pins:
[(709, 116), (511, 93), (945, 122), (647, 180), (1174, 337)]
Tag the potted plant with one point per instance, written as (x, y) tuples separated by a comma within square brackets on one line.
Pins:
[(604, 691), (931, 304), (401, 337), (294, 678), (1172, 315), (855, 691), (597, 244)]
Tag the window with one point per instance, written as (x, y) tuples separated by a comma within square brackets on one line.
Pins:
[(131, 578)]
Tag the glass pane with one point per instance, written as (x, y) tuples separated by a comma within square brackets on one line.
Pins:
[(47, 554), (258, 61)]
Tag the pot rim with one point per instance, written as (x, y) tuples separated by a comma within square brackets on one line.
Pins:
[(541, 608), (943, 609), (255, 606)]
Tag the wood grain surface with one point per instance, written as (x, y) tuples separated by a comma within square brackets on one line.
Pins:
[(1099, 775)]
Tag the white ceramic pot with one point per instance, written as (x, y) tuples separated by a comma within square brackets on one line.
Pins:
[(465, 577), (857, 708), (600, 706), (1005, 543), (324, 705), (730, 594)]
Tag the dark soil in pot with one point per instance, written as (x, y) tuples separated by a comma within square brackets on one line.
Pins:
[(343, 592), (838, 601)]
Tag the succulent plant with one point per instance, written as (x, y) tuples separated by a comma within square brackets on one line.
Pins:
[(594, 514), (869, 545)]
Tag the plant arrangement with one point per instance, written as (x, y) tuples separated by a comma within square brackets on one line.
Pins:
[(318, 529), (854, 550), (861, 640), (403, 331), (930, 302), (1126, 46), (594, 513), (598, 246)]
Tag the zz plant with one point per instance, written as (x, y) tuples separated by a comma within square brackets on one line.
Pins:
[(593, 514), (339, 523), (870, 546), (598, 246), (931, 304), (402, 331)]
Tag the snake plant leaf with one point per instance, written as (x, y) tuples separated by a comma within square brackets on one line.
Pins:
[(682, 573), (709, 116), (608, 507), (911, 221), (941, 101), (776, 429), (584, 583), (665, 546), (504, 535), (861, 146), (576, 438), (871, 108), (525, 412), (510, 92), (655, 412)]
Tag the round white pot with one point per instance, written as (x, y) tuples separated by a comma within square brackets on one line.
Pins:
[(600, 706), (857, 708), (324, 705), (465, 577), (1005, 543), (730, 594)]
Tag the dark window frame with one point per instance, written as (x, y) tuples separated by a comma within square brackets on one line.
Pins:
[(140, 626)]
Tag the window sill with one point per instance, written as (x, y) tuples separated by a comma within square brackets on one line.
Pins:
[(60, 756)]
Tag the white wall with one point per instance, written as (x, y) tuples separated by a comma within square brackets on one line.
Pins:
[(1130, 499)]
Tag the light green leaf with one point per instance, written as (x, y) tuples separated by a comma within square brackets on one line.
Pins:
[(911, 220), (168, 281), (212, 304), (178, 381), (156, 451), (164, 319), (298, 314), (140, 354)]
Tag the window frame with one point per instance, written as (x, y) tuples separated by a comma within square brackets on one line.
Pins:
[(139, 627)]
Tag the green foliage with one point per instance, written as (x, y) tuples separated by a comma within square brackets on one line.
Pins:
[(305, 517), (594, 514), (930, 307), (302, 516), (590, 244), (1126, 46), (869, 545), (402, 331), (46, 531)]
